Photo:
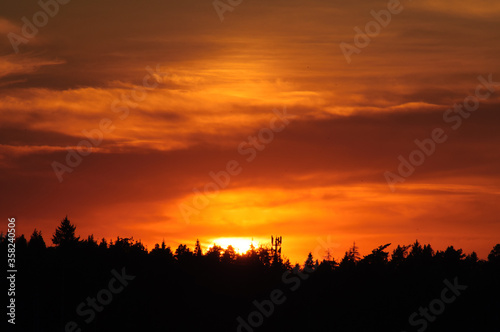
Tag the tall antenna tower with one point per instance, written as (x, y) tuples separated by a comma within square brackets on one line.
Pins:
[(276, 249)]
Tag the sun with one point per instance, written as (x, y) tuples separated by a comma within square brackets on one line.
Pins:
[(240, 244)]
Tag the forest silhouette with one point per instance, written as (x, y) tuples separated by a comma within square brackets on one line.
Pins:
[(180, 289)]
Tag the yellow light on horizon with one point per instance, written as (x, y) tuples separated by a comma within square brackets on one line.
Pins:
[(240, 244)]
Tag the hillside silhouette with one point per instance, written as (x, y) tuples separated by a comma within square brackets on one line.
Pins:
[(89, 285)]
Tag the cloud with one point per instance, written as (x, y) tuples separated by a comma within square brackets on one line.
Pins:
[(6, 26), (11, 65)]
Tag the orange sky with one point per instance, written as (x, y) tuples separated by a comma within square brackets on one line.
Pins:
[(219, 82)]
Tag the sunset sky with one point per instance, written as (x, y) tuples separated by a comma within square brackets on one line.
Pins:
[(214, 83)]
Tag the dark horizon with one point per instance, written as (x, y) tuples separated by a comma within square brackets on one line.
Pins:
[(257, 291)]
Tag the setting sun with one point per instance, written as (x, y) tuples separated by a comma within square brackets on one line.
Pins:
[(240, 244)]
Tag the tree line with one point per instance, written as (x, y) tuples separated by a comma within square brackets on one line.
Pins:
[(65, 238), (186, 289)]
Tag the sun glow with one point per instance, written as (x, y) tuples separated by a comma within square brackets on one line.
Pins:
[(240, 244)]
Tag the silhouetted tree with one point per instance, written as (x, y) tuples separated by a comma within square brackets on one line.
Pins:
[(123, 244), (36, 243), (286, 264), (309, 263), (355, 253), (138, 246), (90, 243), (416, 251), (214, 252), (399, 255), (264, 255), (472, 258), (252, 255), (162, 251), (494, 255), (427, 253), (197, 249), (350, 258), (453, 255), (183, 252), (347, 261), (21, 244), (328, 263), (126, 245), (65, 234), (103, 244), (229, 255), (377, 257)]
